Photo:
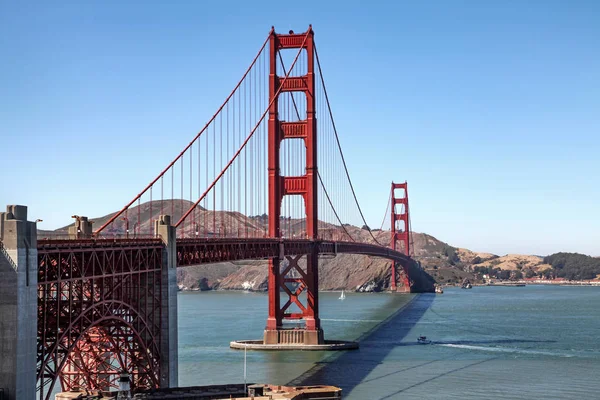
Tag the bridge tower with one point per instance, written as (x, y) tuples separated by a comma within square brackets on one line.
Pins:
[(400, 234), (300, 280)]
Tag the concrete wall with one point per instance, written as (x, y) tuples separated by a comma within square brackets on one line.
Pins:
[(18, 304), (169, 375)]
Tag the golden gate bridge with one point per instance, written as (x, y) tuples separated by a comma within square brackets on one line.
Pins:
[(265, 178)]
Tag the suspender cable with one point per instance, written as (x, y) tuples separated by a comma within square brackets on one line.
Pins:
[(247, 138), (340, 147), (117, 215)]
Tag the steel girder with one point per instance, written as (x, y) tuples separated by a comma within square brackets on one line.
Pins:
[(215, 250)]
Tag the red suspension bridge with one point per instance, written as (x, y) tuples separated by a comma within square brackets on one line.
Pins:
[(265, 178)]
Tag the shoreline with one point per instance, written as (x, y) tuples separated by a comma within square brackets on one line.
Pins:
[(535, 283), (187, 290)]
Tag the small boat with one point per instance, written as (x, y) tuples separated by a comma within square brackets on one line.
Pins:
[(423, 340), (466, 284), (439, 290), (342, 296)]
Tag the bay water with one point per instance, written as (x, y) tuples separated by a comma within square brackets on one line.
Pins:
[(533, 342)]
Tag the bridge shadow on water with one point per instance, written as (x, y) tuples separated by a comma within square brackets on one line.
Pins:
[(351, 368), (348, 369)]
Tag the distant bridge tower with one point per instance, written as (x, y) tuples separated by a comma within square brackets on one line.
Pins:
[(400, 233), (299, 279)]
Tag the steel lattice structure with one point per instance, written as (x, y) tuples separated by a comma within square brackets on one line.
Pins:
[(99, 313)]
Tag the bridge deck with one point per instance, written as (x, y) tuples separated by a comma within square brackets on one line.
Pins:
[(195, 251)]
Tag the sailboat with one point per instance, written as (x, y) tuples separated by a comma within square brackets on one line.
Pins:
[(342, 296)]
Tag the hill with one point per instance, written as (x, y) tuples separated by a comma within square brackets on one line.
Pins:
[(573, 266), (445, 263)]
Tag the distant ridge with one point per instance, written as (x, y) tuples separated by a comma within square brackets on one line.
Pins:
[(447, 264)]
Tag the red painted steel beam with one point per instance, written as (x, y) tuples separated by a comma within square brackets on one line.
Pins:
[(296, 129)]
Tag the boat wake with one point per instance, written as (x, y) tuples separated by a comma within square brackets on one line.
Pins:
[(350, 320), (507, 350)]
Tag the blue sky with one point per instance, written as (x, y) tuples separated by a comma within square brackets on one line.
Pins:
[(489, 109)]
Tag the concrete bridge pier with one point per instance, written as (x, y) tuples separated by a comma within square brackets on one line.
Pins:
[(169, 376), (18, 304)]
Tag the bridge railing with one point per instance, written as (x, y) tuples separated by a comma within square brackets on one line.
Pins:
[(69, 243), (4, 252)]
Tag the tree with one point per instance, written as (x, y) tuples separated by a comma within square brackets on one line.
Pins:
[(529, 273), (365, 227), (547, 273), (573, 266), (503, 274)]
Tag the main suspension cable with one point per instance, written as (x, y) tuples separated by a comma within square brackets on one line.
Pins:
[(386, 210), (243, 145), (115, 216)]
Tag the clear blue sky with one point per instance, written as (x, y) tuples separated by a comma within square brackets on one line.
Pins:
[(490, 109)]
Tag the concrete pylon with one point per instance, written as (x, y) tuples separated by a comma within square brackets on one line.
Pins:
[(82, 229), (18, 304), (169, 376)]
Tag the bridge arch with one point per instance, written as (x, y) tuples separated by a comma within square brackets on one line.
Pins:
[(89, 357), (97, 298)]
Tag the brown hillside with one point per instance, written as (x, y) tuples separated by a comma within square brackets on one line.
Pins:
[(350, 272)]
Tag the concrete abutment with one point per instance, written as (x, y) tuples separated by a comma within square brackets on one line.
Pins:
[(169, 375), (18, 304)]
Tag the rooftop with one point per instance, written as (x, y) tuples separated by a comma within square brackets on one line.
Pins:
[(218, 392)]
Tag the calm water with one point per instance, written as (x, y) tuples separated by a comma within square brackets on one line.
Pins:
[(489, 342)]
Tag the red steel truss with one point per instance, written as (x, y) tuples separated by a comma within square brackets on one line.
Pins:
[(99, 301), (99, 310), (205, 251), (400, 235), (303, 280)]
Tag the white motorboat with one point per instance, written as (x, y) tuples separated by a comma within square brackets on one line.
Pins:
[(423, 340)]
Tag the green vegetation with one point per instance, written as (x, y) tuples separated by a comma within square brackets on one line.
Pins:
[(498, 273), (529, 273), (504, 274), (516, 275), (491, 271), (573, 266)]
